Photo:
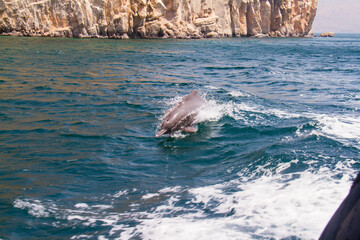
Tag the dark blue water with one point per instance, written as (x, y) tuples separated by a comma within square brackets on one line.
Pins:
[(276, 149)]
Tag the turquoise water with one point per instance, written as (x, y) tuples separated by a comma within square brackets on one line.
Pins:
[(276, 149)]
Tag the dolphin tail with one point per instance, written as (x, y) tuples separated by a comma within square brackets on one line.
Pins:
[(161, 132)]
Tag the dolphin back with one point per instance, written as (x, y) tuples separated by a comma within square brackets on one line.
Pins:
[(193, 100), (188, 105)]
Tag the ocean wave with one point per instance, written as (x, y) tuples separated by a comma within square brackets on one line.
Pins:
[(215, 109), (229, 67), (27, 131), (35, 207), (272, 206), (345, 129), (269, 202), (85, 136), (257, 114)]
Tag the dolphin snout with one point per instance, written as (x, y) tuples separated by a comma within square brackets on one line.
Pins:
[(161, 132)]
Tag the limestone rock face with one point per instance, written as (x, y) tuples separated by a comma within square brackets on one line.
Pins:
[(327, 34), (157, 18)]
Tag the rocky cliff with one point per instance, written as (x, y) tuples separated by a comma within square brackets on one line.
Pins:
[(157, 18)]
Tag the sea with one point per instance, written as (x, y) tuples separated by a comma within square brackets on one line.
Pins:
[(275, 152)]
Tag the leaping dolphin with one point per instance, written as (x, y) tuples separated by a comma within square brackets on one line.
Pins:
[(183, 115)]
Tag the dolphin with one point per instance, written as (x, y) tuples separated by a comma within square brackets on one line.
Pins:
[(183, 115)]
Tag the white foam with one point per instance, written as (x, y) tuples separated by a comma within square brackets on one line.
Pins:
[(185, 227), (82, 236), (76, 217), (175, 189), (265, 203), (81, 205), (214, 111), (212, 87), (34, 208), (121, 193), (150, 195), (250, 114), (343, 128), (102, 206), (239, 94), (274, 205), (340, 127)]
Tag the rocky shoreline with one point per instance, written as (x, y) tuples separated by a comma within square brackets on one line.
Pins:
[(157, 18)]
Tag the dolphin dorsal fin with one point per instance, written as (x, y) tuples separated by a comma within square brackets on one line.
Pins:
[(194, 92)]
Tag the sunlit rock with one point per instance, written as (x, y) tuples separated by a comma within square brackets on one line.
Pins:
[(157, 18), (327, 34)]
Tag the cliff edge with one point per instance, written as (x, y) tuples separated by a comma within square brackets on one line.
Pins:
[(157, 18)]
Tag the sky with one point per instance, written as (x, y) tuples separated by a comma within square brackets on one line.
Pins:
[(338, 16)]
